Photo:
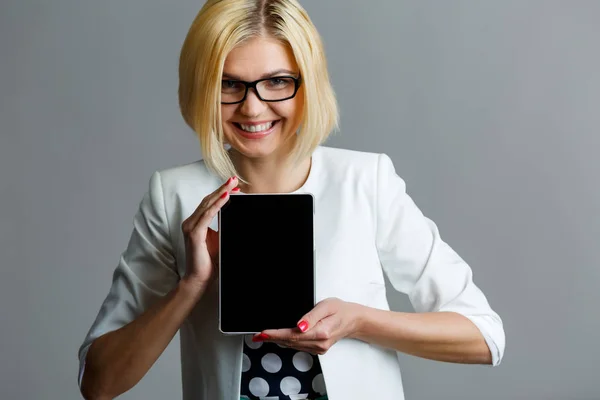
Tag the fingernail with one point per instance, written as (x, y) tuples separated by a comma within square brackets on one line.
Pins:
[(260, 338), (224, 195), (237, 189), (228, 181), (303, 326)]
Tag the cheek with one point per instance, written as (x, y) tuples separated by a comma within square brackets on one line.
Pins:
[(226, 113), (291, 111)]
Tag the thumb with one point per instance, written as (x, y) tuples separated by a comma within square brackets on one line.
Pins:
[(212, 243), (212, 238), (321, 311)]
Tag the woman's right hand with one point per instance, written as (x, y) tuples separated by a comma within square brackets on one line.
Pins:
[(117, 360), (202, 242)]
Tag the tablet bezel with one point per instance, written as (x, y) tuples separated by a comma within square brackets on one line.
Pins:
[(313, 257)]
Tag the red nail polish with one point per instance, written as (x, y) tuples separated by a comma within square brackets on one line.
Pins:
[(228, 181), (237, 189), (260, 338), (224, 195), (303, 326)]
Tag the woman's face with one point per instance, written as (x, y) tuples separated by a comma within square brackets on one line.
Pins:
[(255, 128)]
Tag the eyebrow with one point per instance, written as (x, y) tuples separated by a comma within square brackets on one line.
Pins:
[(263, 76)]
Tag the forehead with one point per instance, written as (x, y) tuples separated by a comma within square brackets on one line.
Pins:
[(257, 57)]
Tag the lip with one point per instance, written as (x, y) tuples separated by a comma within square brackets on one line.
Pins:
[(255, 122), (260, 135)]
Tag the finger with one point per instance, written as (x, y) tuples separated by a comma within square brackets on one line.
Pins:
[(300, 346), (209, 200), (308, 346), (208, 214), (281, 335), (212, 243), (321, 311), (322, 330), (191, 222), (285, 335)]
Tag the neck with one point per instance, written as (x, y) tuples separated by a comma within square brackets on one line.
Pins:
[(273, 174)]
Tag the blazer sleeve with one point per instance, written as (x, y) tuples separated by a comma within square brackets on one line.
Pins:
[(420, 264), (146, 270)]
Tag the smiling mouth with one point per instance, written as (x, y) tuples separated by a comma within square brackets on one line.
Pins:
[(256, 128)]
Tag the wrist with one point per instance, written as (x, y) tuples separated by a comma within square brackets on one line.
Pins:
[(360, 322), (192, 287)]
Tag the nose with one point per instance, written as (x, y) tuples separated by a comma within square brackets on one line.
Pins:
[(252, 106)]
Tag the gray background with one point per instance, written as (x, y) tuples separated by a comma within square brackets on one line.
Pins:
[(489, 110)]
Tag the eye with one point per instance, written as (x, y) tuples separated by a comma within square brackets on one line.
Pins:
[(279, 83), (229, 86)]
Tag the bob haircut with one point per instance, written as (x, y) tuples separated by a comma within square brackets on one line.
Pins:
[(222, 25)]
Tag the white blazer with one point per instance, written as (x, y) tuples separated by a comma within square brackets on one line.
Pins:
[(366, 226)]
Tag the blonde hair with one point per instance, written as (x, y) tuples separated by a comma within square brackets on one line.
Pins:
[(222, 25)]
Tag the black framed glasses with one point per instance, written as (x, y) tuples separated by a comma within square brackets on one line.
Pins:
[(277, 88)]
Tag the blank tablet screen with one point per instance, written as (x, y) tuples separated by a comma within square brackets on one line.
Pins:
[(266, 268)]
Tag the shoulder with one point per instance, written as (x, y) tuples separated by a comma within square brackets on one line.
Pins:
[(364, 177), (333, 157), (196, 171), (346, 163), (193, 177)]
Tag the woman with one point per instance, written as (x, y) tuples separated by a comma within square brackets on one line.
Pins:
[(254, 87)]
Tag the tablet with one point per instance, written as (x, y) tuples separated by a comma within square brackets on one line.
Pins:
[(266, 261)]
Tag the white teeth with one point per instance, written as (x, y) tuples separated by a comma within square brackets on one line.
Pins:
[(257, 128)]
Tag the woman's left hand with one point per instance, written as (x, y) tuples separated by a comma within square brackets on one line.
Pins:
[(329, 321)]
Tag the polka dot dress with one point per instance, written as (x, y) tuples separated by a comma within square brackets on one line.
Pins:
[(271, 372)]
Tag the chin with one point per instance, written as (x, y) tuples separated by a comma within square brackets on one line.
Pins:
[(255, 151)]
